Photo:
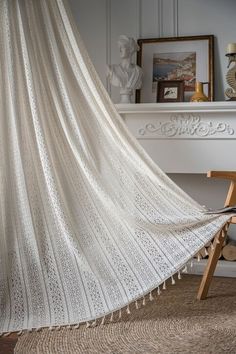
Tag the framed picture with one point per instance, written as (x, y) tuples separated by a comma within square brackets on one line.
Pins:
[(176, 58), (170, 91)]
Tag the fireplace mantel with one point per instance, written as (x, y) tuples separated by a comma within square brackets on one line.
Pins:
[(185, 137)]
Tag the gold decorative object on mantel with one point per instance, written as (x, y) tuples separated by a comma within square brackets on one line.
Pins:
[(199, 95), (230, 92)]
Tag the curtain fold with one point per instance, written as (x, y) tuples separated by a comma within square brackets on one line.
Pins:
[(88, 222)]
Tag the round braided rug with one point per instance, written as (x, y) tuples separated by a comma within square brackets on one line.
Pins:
[(172, 323)]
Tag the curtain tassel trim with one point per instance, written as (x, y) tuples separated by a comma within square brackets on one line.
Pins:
[(90, 324), (94, 324), (111, 318), (151, 298), (128, 310)]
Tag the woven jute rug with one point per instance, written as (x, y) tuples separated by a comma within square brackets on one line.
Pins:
[(174, 322)]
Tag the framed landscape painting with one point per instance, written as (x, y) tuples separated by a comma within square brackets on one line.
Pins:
[(176, 58)]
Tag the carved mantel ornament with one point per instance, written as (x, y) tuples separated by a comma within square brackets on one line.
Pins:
[(186, 124)]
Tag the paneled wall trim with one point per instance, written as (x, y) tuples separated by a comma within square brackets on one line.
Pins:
[(108, 40)]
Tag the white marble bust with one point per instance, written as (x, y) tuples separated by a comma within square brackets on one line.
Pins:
[(126, 75)]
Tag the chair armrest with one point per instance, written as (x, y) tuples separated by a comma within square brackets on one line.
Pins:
[(231, 175), (233, 220)]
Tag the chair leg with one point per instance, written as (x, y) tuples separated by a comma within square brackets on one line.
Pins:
[(211, 264)]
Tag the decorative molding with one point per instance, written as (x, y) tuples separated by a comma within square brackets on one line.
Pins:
[(160, 18), (186, 125), (175, 18), (108, 41), (139, 19), (226, 108), (199, 140)]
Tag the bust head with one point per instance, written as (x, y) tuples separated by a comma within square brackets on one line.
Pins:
[(127, 46), (126, 75)]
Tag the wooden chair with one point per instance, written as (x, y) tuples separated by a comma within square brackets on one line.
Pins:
[(221, 235)]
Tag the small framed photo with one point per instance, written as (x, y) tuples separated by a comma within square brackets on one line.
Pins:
[(176, 58), (170, 91)]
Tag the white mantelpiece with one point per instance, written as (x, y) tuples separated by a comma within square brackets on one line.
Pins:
[(185, 137), (189, 138)]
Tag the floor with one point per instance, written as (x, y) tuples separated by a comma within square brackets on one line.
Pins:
[(7, 344)]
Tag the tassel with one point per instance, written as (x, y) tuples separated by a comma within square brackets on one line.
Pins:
[(164, 286), (103, 320), (128, 310), (87, 324), (150, 296), (217, 241), (51, 328), (111, 318), (68, 327), (198, 257), (185, 269), (206, 253), (76, 326), (144, 301), (179, 275), (158, 291), (172, 280), (136, 304), (20, 332), (120, 314), (94, 324), (6, 334), (212, 247)]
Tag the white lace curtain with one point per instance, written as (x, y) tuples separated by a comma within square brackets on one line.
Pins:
[(88, 223)]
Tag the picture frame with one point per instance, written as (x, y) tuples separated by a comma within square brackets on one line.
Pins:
[(187, 58), (170, 91)]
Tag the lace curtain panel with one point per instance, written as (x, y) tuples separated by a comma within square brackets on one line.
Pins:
[(88, 223)]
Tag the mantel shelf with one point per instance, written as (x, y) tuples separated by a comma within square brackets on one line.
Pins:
[(216, 106), (185, 137)]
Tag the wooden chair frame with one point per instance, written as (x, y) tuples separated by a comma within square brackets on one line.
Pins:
[(221, 235)]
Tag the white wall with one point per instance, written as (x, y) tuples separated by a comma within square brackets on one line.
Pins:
[(92, 18), (101, 22)]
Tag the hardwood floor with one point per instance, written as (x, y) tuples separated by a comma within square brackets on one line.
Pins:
[(7, 344)]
